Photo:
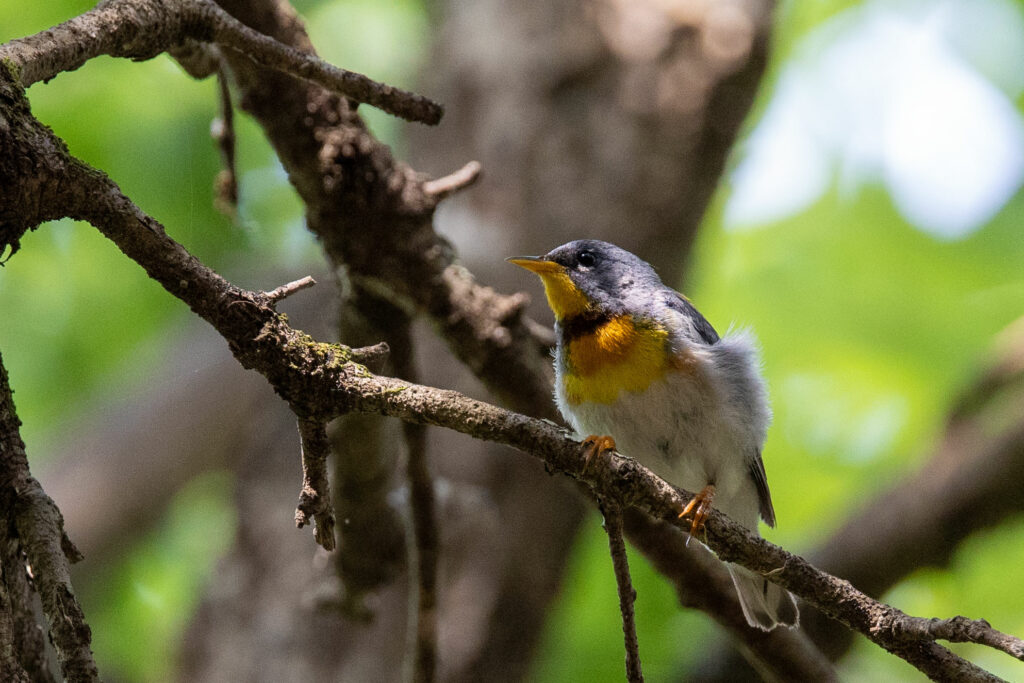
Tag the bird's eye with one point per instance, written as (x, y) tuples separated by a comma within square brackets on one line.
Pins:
[(586, 259)]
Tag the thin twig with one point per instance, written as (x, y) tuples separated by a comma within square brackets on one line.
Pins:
[(454, 182), (426, 551), (286, 290), (223, 131), (627, 594), (270, 53), (424, 546), (315, 499)]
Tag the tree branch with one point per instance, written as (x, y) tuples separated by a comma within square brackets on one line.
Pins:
[(40, 533), (349, 180), (455, 182), (315, 499), (286, 290), (424, 550), (222, 130), (970, 481), (627, 594), (962, 630), (142, 29), (703, 583)]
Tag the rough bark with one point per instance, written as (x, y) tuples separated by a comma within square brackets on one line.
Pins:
[(34, 527)]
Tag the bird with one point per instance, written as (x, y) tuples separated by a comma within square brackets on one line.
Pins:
[(639, 370)]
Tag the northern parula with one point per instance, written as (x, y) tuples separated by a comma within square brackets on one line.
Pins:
[(637, 362)]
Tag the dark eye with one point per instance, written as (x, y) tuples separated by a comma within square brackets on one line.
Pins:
[(586, 259)]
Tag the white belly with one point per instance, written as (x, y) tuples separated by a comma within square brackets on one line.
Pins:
[(684, 435)]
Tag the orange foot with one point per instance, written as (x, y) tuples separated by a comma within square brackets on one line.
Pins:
[(596, 445), (699, 506)]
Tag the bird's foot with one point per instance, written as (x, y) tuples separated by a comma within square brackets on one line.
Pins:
[(595, 445), (699, 506)]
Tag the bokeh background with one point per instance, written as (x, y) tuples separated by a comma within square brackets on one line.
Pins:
[(868, 228)]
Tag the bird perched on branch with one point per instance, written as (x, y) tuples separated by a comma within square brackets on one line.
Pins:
[(641, 371)]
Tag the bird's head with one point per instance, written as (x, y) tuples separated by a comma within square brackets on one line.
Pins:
[(590, 277)]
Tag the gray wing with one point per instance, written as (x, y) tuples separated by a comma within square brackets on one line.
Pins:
[(764, 496), (677, 302)]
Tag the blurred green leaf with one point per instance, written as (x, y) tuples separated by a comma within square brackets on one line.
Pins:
[(139, 614)]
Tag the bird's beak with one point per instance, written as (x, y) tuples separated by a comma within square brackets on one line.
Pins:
[(564, 297), (535, 264)]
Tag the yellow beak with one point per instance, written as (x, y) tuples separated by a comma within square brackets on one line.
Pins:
[(535, 264), (564, 297)]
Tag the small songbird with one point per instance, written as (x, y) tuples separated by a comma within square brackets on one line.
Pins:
[(636, 362)]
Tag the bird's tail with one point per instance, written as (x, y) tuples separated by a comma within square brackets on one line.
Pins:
[(765, 605)]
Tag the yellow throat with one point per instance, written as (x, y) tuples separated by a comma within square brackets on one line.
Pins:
[(564, 297)]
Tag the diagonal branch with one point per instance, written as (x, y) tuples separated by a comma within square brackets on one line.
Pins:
[(142, 29), (703, 583)]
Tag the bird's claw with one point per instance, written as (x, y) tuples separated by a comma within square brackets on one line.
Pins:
[(699, 507), (595, 445)]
